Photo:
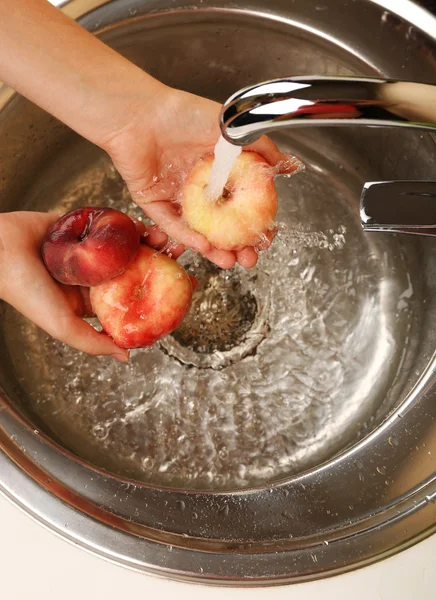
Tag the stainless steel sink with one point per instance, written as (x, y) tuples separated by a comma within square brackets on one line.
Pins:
[(287, 431)]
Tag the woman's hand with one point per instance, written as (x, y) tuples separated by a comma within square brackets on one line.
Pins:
[(153, 133), (58, 309), (155, 152)]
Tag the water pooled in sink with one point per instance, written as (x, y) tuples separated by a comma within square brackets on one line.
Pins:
[(225, 155), (308, 347)]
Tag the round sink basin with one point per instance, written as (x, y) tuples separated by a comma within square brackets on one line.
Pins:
[(286, 431)]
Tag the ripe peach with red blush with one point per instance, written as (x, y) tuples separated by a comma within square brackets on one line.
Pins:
[(245, 212), (90, 245), (147, 301)]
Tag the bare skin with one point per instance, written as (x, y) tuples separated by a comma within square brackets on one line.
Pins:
[(142, 124)]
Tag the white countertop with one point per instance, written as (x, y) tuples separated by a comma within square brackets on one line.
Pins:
[(37, 565)]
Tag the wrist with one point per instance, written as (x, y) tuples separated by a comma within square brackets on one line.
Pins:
[(134, 112)]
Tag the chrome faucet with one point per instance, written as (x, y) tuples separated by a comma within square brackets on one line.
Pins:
[(328, 101)]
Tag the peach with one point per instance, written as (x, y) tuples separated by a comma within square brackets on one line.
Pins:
[(244, 214), (90, 245), (149, 300)]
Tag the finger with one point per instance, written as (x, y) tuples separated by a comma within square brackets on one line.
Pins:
[(165, 215), (42, 301), (222, 258), (159, 240), (79, 300), (39, 223), (247, 257), (88, 311), (174, 251), (141, 228), (285, 164), (268, 149), (155, 237)]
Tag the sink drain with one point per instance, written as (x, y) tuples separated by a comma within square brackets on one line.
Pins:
[(227, 319)]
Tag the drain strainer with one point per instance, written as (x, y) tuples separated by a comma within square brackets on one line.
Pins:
[(227, 319)]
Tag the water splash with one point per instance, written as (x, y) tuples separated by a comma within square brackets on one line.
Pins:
[(326, 353), (225, 156)]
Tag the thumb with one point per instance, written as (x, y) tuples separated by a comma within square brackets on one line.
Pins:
[(44, 303)]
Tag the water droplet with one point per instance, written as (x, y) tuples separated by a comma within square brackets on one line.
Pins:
[(381, 470), (181, 505), (100, 431)]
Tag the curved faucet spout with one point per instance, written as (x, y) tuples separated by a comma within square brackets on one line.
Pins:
[(327, 101)]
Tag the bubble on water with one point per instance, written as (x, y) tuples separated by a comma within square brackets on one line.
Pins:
[(223, 453), (100, 431)]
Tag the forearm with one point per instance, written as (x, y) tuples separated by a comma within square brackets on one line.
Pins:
[(68, 72)]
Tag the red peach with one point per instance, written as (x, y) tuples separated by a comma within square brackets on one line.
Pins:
[(90, 245), (244, 214), (149, 300)]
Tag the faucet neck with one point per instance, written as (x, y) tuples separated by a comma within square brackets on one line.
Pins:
[(326, 101)]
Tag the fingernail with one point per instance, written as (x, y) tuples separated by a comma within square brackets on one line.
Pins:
[(121, 357)]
